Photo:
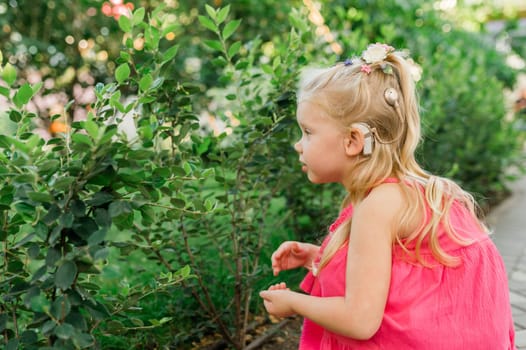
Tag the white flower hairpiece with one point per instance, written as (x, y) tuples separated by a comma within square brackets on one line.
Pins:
[(376, 53)]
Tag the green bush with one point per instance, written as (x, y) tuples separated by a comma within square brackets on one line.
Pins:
[(161, 239)]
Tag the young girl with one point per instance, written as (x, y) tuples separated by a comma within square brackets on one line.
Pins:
[(407, 264)]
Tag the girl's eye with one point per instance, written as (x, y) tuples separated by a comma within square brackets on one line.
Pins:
[(307, 131)]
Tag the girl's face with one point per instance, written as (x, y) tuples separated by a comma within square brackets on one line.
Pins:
[(322, 145)]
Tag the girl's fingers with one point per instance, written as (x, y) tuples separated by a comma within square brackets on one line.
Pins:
[(278, 286)]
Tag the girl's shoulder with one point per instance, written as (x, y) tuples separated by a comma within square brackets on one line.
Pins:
[(382, 201), (392, 202)]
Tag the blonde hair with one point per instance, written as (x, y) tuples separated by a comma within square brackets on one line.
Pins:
[(350, 95)]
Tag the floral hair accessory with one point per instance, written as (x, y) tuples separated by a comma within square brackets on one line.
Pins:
[(386, 68), (347, 62), (376, 53), (365, 68)]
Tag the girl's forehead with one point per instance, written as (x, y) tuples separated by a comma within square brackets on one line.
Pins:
[(307, 109), (311, 114)]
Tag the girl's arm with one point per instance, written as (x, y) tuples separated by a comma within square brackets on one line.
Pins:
[(359, 313)]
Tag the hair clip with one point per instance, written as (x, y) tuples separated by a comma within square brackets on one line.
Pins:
[(365, 68), (386, 68), (391, 96), (348, 62)]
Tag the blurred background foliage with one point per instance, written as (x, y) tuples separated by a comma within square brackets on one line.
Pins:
[(214, 118)]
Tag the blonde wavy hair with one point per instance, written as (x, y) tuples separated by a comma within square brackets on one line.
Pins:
[(350, 95)]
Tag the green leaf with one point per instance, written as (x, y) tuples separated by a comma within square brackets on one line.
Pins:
[(100, 198), (234, 49), (81, 138), (115, 326), (97, 236), (12, 344), (92, 128), (123, 71), (66, 274), (138, 16), (230, 28), (36, 88), (40, 303), (63, 182), (60, 308), (66, 220), (145, 82), (52, 214), (214, 45), (119, 207), (9, 74), (40, 197), (28, 337), (15, 116), (178, 203), (222, 14), (23, 95), (65, 330), (4, 91), (125, 24), (211, 11), (241, 64), (170, 53), (83, 340), (206, 22)]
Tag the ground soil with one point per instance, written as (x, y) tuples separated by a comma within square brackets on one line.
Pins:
[(287, 338)]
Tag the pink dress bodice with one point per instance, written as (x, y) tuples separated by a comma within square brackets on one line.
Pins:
[(438, 308)]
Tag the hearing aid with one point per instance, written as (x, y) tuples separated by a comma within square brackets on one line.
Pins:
[(391, 96), (368, 139)]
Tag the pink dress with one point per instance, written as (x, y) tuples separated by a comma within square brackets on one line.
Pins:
[(461, 308)]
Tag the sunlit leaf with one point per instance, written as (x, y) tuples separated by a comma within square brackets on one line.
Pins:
[(23, 95), (4, 91), (222, 14), (36, 88), (145, 82), (82, 138), (211, 11), (170, 53), (214, 45), (138, 16), (230, 28), (9, 74), (122, 72), (234, 49), (206, 22), (92, 128), (125, 24)]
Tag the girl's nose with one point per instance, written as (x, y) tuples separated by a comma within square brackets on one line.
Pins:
[(297, 146)]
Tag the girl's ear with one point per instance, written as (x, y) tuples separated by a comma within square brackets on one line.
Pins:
[(358, 140)]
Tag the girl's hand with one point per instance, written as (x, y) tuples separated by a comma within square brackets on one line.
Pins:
[(276, 300), (291, 255)]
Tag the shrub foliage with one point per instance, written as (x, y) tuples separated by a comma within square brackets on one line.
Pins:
[(159, 233)]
